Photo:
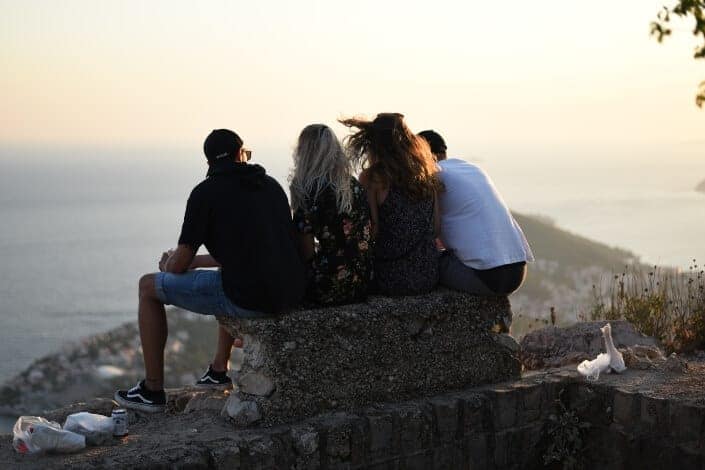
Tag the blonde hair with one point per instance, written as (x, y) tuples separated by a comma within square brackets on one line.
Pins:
[(320, 161)]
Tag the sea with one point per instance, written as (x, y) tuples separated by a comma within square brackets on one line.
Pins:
[(79, 226)]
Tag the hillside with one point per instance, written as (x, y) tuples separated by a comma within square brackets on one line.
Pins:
[(566, 268)]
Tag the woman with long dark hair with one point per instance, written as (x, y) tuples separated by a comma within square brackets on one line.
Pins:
[(400, 175)]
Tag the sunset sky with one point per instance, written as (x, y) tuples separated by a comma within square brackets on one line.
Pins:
[(492, 76)]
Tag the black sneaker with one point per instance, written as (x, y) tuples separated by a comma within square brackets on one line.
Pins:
[(213, 379), (142, 399)]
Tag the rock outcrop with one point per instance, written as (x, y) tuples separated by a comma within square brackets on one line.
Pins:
[(387, 349), (555, 347)]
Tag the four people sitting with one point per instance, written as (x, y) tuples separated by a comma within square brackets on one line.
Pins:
[(347, 238)]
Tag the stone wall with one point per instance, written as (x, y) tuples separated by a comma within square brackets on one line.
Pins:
[(385, 350), (639, 419)]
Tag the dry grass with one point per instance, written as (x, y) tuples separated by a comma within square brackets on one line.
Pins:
[(660, 302)]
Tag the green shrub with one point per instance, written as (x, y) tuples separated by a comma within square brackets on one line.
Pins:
[(660, 302)]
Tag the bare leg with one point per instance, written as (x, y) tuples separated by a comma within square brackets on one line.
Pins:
[(153, 332), (223, 350)]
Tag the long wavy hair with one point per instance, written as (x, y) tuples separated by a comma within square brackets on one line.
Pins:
[(393, 154), (320, 161)]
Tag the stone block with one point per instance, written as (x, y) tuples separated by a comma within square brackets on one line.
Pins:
[(626, 408), (504, 407), (474, 412), (257, 453), (254, 383), (686, 421), (504, 447), (392, 464), (445, 418), (206, 402), (305, 440), (380, 434), (384, 350), (415, 428), (476, 450), (226, 457), (447, 457), (418, 461), (242, 413), (384, 465), (653, 414), (338, 443), (530, 400)]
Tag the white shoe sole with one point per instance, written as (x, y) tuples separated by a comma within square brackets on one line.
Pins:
[(138, 406)]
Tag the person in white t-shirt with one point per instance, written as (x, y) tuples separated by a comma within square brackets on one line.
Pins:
[(486, 250)]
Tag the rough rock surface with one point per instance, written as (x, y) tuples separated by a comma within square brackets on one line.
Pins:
[(639, 419), (387, 349), (555, 347)]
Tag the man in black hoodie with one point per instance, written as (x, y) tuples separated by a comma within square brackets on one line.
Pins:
[(242, 216)]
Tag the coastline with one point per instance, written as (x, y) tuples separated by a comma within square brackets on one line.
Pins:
[(95, 366)]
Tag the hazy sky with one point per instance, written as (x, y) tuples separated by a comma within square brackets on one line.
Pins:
[(491, 76)]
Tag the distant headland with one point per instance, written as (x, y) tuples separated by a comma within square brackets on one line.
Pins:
[(701, 187)]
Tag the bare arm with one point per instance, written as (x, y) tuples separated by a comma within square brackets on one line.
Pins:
[(371, 190), (204, 261), (177, 261)]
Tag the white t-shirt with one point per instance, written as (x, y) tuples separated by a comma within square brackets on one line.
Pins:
[(475, 222)]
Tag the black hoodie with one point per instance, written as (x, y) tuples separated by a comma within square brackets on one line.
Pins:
[(242, 216)]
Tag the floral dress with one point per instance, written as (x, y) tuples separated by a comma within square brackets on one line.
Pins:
[(341, 268)]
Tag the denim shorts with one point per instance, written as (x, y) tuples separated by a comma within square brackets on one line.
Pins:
[(199, 291)]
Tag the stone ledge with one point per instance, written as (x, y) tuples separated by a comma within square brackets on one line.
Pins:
[(388, 349), (639, 419)]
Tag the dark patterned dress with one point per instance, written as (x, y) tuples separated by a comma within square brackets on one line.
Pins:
[(340, 271), (406, 258)]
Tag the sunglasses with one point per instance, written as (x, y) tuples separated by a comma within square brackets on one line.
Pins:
[(247, 153)]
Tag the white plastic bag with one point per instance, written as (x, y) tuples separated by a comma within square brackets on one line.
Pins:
[(97, 429), (33, 434)]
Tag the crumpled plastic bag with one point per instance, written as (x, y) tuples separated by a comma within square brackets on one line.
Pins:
[(33, 434), (97, 429)]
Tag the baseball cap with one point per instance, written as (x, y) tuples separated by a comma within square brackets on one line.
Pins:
[(221, 143)]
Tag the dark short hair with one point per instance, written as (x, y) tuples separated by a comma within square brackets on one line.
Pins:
[(221, 143), (435, 141)]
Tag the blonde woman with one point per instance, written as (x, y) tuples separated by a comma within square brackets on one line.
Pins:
[(330, 207)]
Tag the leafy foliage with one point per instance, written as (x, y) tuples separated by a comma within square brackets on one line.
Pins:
[(661, 29), (659, 302), (566, 433)]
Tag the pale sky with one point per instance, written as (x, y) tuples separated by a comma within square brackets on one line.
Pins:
[(490, 76)]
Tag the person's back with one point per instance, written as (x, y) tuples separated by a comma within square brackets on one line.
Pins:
[(249, 232), (486, 251), (406, 258), (475, 222)]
